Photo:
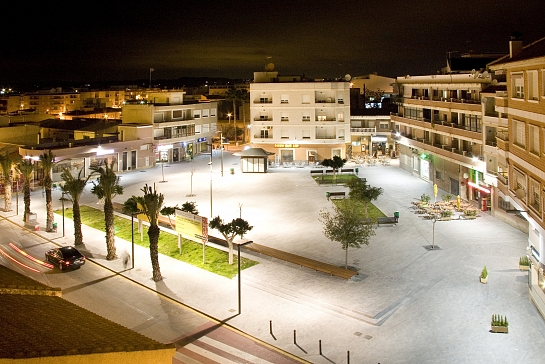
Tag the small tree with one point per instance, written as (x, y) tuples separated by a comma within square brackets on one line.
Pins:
[(26, 167), (361, 191), (336, 163), (106, 187), (230, 230), (47, 160), (73, 188), (346, 226), (168, 211), (6, 165)]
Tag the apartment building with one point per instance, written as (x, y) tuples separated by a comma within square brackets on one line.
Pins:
[(181, 129), (298, 119), (521, 151), (439, 132)]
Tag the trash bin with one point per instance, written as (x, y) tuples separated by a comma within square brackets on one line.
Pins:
[(396, 215), (55, 227), (357, 170), (327, 194)]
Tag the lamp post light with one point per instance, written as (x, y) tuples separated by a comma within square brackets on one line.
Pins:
[(132, 241), (62, 202)]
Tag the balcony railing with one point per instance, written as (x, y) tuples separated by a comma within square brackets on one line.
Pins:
[(263, 119), (259, 136)]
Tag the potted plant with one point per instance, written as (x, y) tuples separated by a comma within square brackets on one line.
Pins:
[(232, 170), (446, 198), (470, 214), (524, 263), (446, 215), (484, 275), (499, 324), (425, 199)]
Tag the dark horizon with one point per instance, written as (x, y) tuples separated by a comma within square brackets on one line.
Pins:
[(123, 40)]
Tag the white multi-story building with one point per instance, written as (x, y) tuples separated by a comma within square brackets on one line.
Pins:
[(299, 120), (180, 130)]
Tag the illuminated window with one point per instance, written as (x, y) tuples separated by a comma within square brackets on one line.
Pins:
[(533, 89), (519, 132), (517, 83), (340, 116), (205, 113), (534, 139), (213, 112)]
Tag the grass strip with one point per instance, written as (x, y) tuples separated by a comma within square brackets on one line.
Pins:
[(217, 261)]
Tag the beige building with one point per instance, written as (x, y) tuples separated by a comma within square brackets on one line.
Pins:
[(521, 150), (439, 132), (298, 120), (181, 130)]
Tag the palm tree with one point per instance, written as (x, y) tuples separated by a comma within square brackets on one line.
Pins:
[(150, 205), (106, 188), (48, 161), (26, 167), (73, 188), (6, 164), (244, 97), (233, 95)]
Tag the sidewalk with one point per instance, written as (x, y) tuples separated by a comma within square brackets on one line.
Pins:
[(407, 304)]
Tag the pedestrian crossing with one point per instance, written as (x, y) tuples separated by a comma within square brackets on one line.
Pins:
[(216, 344)]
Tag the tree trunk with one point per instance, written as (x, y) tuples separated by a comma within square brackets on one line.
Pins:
[(230, 243), (110, 232), (153, 234), (48, 204), (365, 204), (26, 199), (7, 194), (346, 258), (78, 236)]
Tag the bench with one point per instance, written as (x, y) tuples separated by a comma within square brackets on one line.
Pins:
[(314, 171), (347, 170), (335, 195), (387, 220)]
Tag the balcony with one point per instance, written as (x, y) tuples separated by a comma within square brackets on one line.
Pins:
[(263, 136), (263, 101), (328, 100), (363, 131), (457, 131), (455, 155), (451, 103), (326, 119), (263, 118)]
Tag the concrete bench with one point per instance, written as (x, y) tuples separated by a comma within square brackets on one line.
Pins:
[(316, 171), (387, 220), (347, 170), (335, 195)]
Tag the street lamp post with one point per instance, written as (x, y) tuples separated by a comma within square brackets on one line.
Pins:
[(17, 195), (132, 241), (62, 202), (239, 277)]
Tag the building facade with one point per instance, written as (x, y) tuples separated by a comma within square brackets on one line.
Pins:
[(439, 132), (180, 130), (521, 150), (299, 120)]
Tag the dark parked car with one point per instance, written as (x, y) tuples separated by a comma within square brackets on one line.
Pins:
[(65, 257)]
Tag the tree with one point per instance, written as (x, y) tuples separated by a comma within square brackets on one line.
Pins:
[(150, 204), (73, 188), (106, 187), (336, 163), (233, 95), (47, 160), (346, 226), (6, 164), (168, 211), (244, 98), (230, 230), (361, 191), (26, 168)]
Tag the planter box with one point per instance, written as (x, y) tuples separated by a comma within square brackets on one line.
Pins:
[(524, 267), (502, 329), (484, 280)]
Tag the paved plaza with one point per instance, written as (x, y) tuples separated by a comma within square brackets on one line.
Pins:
[(408, 304)]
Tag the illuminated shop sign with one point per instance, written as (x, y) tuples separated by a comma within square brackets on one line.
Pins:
[(286, 145), (480, 188), (200, 140)]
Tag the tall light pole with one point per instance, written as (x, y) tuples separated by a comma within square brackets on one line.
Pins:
[(62, 202)]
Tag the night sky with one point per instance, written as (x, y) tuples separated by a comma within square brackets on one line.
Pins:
[(121, 40)]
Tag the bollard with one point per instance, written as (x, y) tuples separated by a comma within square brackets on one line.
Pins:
[(348, 357), (270, 326), (320, 346), (295, 337)]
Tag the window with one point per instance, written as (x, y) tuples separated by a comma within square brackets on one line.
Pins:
[(213, 112), (543, 83), (197, 129), (519, 133), (284, 134), (517, 83), (535, 195), (284, 99), (533, 90), (306, 134), (340, 116), (205, 113), (534, 139), (305, 99), (519, 183), (176, 114), (205, 128), (196, 114), (306, 116), (284, 116)]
